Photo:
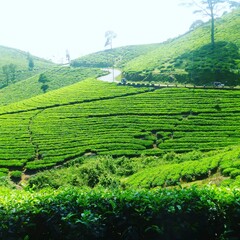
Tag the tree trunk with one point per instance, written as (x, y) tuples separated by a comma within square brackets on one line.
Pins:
[(212, 32), (212, 25)]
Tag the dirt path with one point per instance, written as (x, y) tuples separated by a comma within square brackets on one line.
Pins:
[(111, 77)]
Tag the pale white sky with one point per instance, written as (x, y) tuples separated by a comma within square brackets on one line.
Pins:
[(47, 28)]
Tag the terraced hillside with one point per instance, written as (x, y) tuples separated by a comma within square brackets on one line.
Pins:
[(117, 56), (52, 79), (190, 58), (185, 59), (20, 60), (218, 167), (93, 117), (213, 168)]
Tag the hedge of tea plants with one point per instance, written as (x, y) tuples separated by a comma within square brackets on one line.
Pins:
[(152, 123), (93, 117), (207, 213)]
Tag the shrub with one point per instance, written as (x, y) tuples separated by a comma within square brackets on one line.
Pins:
[(235, 173), (16, 175), (71, 213)]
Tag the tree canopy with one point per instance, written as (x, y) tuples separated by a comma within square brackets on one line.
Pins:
[(211, 9)]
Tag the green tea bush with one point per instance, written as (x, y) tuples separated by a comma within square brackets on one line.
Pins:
[(3, 174), (16, 174), (235, 173), (71, 213)]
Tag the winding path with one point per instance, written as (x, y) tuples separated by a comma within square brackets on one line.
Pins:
[(113, 74), (111, 77)]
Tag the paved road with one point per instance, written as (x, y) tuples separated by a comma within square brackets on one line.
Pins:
[(111, 77)]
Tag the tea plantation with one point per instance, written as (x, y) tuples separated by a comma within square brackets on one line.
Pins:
[(85, 159), (51, 79), (20, 60), (103, 143), (190, 58), (92, 117)]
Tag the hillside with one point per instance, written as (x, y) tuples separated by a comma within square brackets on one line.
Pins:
[(190, 58), (219, 168), (117, 56), (85, 159), (186, 59), (20, 60), (93, 117), (52, 79)]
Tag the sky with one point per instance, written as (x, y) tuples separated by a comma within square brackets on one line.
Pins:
[(49, 28)]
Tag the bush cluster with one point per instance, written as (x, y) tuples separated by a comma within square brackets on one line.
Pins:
[(82, 214)]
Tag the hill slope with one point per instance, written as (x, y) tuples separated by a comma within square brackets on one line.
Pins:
[(117, 56), (20, 60), (190, 58), (93, 117), (215, 167), (52, 79)]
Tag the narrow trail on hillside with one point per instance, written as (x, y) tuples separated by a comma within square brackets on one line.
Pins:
[(30, 132)]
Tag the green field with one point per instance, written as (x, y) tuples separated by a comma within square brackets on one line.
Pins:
[(85, 159), (117, 56), (93, 117)]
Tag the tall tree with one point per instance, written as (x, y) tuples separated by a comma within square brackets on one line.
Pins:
[(9, 71), (30, 62), (211, 9), (68, 57), (109, 35)]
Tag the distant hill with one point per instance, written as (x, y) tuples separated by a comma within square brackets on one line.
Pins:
[(20, 60), (52, 79), (190, 57), (186, 59), (117, 56)]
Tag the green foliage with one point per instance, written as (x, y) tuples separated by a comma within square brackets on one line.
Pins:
[(54, 78), (94, 117), (165, 63), (142, 172), (44, 87), (23, 62), (189, 167), (207, 65), (118, 56), (9, 71), (102, 171), (16, 174), (30, 63), (208, 213), (42, 78)]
